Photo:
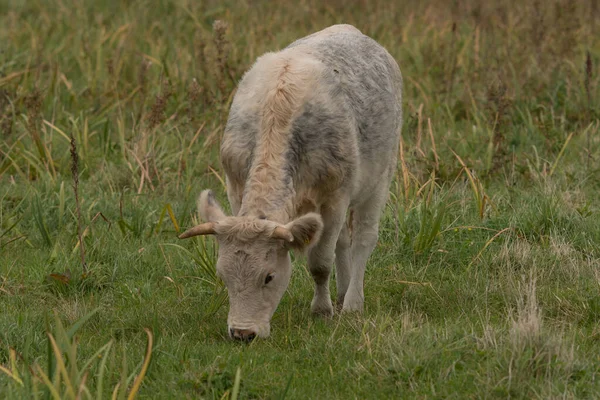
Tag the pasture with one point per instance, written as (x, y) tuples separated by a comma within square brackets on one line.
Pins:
[(485, 282)]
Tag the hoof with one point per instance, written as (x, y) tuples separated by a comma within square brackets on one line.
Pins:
[(355, 305), (322, 308)]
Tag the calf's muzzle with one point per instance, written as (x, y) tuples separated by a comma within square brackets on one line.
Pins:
[(245, 335)]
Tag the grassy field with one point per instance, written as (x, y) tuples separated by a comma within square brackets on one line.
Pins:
[(486, 279)]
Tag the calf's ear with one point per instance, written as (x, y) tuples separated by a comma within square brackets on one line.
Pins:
[(305, 230), (208, 207)]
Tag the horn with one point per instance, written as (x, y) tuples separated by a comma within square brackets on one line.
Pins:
[(282, 233), (207, 228)]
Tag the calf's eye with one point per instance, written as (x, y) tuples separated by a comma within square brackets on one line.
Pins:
[(268, 278)]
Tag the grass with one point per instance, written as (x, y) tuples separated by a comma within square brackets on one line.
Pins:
[(484, 284)]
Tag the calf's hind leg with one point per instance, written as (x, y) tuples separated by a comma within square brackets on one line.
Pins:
[(365, 231), (343, 262)]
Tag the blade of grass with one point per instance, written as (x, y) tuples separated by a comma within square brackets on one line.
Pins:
[(60, 132), (99, 387), (138, 381), (485, 246), (13, 373), (40, 222), (166, 209), (560, 154), (48, 383), (236, 384), (287, 387), (104, 349), (60, 363), (10, 228), (71, 332)]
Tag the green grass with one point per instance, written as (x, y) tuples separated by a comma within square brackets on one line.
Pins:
[(486, 279)]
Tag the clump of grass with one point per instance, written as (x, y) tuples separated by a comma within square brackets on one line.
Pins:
[(205, 258), (65, 376), (40, 222), (419, 221), (430, 220), (534, 350), (4, 232)]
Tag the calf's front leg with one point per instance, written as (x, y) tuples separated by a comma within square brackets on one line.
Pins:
[(321, 256)]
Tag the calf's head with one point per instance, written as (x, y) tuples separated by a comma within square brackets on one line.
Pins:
[(253, 261)]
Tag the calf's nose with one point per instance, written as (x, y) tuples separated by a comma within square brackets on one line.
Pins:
[(245, 335)]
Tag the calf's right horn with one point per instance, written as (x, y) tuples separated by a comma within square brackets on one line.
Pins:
[(207, 228)]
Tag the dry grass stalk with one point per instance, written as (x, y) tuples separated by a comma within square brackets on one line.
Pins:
[(538, 30), (75, 173), (111, 82), (452, 61), (184, 154), (433, 148), (560, 153), (498, 104), (593, 16), (33, 104), (157, 111), (405, 174), (6, 121), (142, 150), (144, 175), (219, 30), (476, 48), (193, 94), (200, 48), (143, 84), (110, 68), (486, 245), (588, 81), (142, 75), (481, 198), (419, 131)]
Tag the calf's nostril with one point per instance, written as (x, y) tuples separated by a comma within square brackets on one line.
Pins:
[(245, 335)]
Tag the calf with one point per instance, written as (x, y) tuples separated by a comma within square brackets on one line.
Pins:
[(309, 151)]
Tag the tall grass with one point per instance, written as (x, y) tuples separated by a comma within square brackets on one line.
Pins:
[(65, 377)]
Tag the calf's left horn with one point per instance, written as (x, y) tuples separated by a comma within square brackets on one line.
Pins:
[(207, 228)]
